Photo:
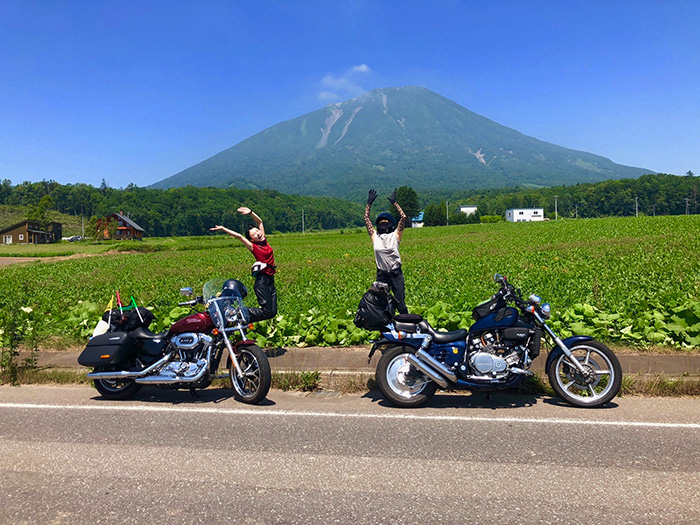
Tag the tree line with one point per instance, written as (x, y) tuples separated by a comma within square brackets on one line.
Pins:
[(193, 210), (182, 211), (656, 194)]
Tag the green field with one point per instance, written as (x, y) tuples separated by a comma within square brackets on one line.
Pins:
[(635, 281)]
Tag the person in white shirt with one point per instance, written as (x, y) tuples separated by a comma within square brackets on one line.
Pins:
[(386, 240)]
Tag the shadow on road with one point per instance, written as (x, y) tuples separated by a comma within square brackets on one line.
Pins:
[(184, 397), (491, 400)]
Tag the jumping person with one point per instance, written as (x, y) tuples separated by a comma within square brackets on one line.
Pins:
[(386, 242), (264, 268)]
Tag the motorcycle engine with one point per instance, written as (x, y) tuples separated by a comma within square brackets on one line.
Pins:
[(191, 349), (491, 354)]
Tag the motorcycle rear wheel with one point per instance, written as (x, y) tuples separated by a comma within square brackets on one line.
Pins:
[(401, 384), (116, 388), (255, 383), (600, 381)]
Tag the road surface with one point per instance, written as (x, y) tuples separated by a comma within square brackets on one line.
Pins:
[(67, 456)]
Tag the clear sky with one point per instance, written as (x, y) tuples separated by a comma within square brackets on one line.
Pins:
[(136, 91)]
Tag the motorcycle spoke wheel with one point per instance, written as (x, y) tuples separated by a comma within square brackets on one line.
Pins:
[(596, 384), (401, 384), (254, 384)]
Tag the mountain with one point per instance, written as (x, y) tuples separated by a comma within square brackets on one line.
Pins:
[(406, 136)]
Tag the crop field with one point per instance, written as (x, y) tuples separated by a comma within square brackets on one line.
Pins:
[(635, 281)]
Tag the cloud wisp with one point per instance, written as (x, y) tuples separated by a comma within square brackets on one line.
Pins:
[(347, 85)]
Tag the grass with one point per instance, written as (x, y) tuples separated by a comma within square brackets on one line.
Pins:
[(624, 267)]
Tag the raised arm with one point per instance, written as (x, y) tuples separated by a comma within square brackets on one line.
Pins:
[(402, 215), (234, 234), (368, 221), (258, 221)]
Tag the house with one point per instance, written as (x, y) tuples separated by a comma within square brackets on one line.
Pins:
[(417, 222), (126, 228), (30, 232), (525, 214), (468, 210)]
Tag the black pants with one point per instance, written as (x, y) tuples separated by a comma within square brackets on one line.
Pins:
[(394, 279), (266, 293)]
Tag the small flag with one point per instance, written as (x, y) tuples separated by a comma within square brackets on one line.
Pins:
[(133, 304), (110, 305)]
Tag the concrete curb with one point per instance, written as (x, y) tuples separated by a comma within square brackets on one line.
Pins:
[(353, 360)]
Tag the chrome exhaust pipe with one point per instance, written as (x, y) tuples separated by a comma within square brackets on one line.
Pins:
[(528, 373), (123, 374), (437, 365), (170, 379), (423, 367)]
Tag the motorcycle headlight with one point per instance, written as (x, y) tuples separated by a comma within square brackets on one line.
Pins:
[(545, 311), (535, 299), (231, 314)]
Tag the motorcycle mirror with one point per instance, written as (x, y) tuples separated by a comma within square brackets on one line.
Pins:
[(497, 277), (186, 291)]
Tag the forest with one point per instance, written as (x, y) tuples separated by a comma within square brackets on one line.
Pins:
[(192, 211)]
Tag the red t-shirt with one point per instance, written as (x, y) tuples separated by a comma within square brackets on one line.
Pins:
[(262, 251)]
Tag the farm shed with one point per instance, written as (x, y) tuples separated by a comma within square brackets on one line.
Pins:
[(126, 227), (30, 232), (525, 214)]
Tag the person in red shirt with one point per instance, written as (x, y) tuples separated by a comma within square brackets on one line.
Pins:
[(264, 268)]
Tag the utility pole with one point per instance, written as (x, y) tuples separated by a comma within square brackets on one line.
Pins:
[(576, 208), (556, 212), (447, 211), (302, 222), (686, 205), (636, 206)]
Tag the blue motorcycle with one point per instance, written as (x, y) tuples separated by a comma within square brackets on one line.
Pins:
[(494, 354)]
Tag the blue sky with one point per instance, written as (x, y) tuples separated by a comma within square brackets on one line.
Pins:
[(136, 91)]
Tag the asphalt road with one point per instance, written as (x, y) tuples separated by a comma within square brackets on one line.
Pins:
[(67, 456)]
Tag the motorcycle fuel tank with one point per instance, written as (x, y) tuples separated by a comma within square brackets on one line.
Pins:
[(501, 319), (199, 322)]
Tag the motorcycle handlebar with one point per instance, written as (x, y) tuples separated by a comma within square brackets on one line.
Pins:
[(191, 303)]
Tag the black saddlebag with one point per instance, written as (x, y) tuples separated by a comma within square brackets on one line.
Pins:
[(128, 320), (376, 308), (106, 349)]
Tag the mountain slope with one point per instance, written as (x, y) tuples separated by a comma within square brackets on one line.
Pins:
[(391, 137)]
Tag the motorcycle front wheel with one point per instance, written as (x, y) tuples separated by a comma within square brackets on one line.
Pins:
[(254, 385), (116, 388), (598, 383), (401, 384)]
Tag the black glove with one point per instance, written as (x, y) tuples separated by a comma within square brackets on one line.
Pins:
[(392, 198), (372, 195)]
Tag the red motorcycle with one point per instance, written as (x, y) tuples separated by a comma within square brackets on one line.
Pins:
[(187, 356)]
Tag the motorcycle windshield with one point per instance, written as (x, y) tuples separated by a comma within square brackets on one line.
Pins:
[(223, 309), (212, 288)]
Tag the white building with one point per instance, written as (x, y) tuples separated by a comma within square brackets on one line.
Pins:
[(467, 209), (417, 222), (525, 214)]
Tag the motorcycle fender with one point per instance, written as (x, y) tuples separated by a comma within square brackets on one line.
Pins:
[(382, 343), (236, 348), (569, 341), (246, 342)]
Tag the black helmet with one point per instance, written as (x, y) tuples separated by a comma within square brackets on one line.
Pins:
[(386, 223), (234, 288)]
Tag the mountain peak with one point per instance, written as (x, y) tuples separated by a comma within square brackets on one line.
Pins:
[(391, 137)]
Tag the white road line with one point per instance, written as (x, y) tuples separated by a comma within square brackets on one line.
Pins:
[(293, 413)]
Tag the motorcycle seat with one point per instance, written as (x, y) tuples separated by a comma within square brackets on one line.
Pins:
[(447, 337), (145, 334)]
